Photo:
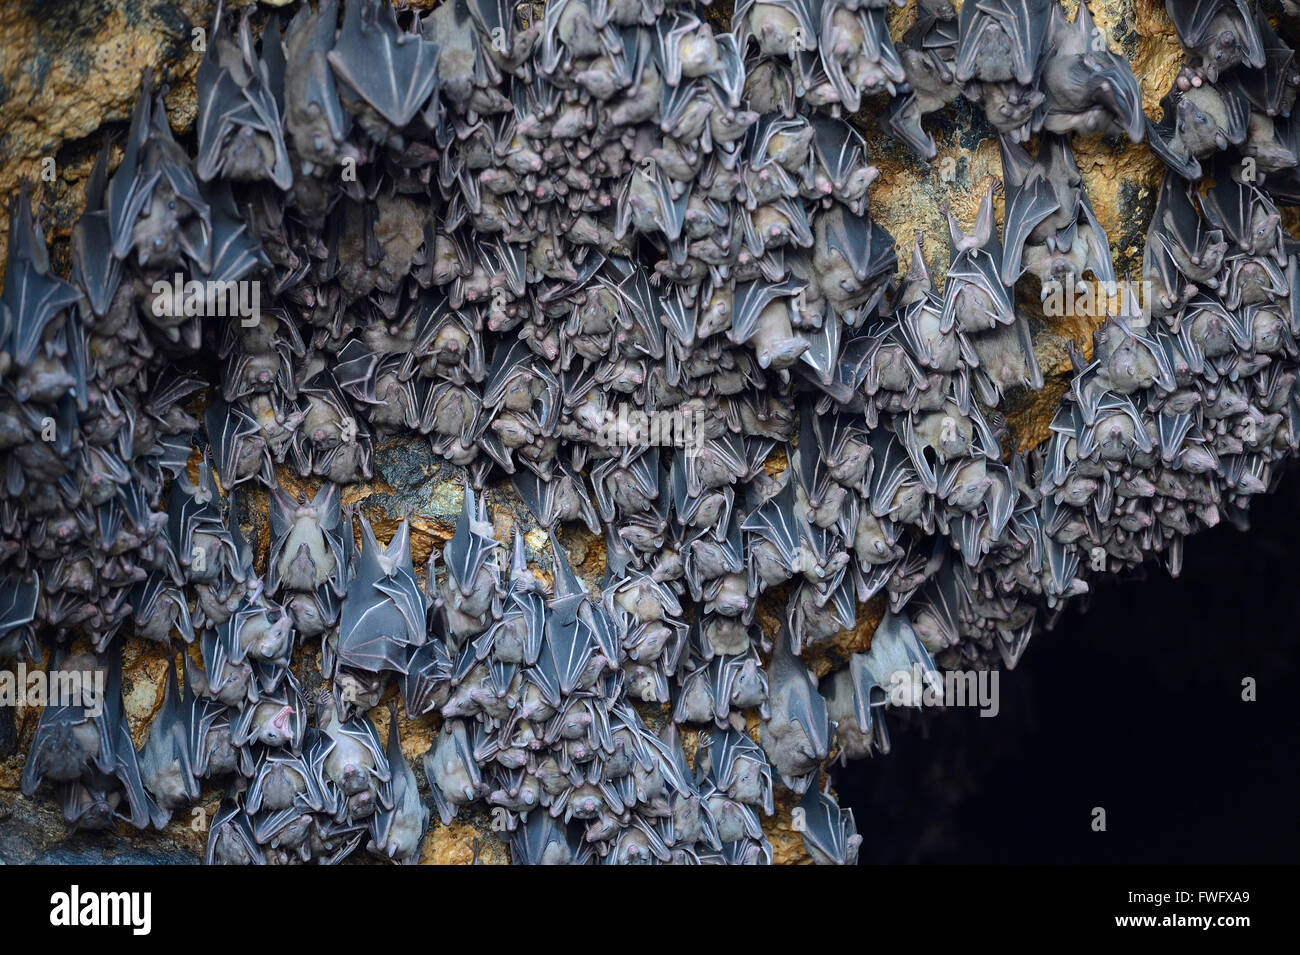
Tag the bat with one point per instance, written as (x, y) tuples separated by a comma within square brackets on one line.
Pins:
[(829, 833), (796, 737), (1002, 40), (32, 297), (230, 837), (1220, 33), (239, 130), (314, 119), (384, 611), (1088, 90), (1048, 212), (239, 451), (153, 200), (167, 762), (736, 766), (1198, 123), (354, 773), (453, 774), (392, 71), (397, 834), (975, 297), (95, 271)]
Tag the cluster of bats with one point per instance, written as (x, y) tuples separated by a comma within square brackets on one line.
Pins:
[(497, 234)]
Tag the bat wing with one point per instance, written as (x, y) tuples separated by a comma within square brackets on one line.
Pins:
[(829, 832), (1030, 200), (394, 71)]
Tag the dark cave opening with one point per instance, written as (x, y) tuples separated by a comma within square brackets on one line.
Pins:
[(1133, 705)]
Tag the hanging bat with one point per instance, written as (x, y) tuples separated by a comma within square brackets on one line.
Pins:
[(1088, 90), (397, 834), (1197, 124), (230, 837), (857, 52), (384, 612), (355, 776), (1051, 229), (167, 762), (976, 297), (453, 774), (95, 270), (545, 840), (829, 834), (32, 297), (1220, 34), (315, 121), (307, 552), (390, 71), (153, 201), (797, 736), (238, 126), (1002, 40)]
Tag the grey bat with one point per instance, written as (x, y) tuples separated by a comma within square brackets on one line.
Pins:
[(544, 840), (85, 749), (1002, 40), (780, 28), (426, 680), (313, 117), (239, 130), (797, 736), (153, 201), (1272, 88), (851, 255), (1051, 229), (975, 297), (472, 587), (18, 597), (734, 764), (1221, 34), (1197, 250), (394, 72), (1088, 90), (397, 834), (1198, 123), (73, 738), (928, 55), (230, 837), (355, 774), (829, 833), (95, 270), (1246, 216), (562, 498), (307, 552), (167, 761), (454, 776), (384, 612), (857, 52), (32, 297), (239, 451), (159, 608)]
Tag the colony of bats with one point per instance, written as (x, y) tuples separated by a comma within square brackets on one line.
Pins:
[(501, 235)]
